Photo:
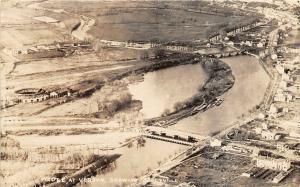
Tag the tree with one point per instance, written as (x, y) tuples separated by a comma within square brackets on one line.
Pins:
[(159, 53), (144, 55), (166, 112)]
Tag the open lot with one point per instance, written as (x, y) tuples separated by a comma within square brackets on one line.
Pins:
[(204, 170), (19, 28)]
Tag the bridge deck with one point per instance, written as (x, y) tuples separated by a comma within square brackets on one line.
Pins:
[(166, 139)]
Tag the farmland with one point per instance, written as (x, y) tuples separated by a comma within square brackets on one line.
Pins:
[(151, 21)]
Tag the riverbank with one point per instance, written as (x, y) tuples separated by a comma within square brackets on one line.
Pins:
[(248, 91), (219, 80)]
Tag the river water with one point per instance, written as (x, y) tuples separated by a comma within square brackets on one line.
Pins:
[(251, 82), (135, 161), (161, 89)]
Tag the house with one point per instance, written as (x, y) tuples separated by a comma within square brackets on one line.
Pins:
[(284, 97), (286, 77), (60, 92), (265, 126), (260, 45), (258, 130), (295, 89), (280, 69), (283, 84), (230, 43), (63, 92), (35, 98), (261, 116), (273, 109), (248, 43), (215, 142), (215, 37), (53, 94), (268, 135)]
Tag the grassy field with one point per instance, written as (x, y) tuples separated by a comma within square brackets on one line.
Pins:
[(163, 21)]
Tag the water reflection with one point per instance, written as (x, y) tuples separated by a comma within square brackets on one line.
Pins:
[(135, 161), (250, 85), (162, 89)]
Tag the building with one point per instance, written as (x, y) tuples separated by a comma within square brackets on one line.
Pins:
[(283, 97), (260, 45), (60, 92), (286, 77), (281, 176), (269, 135), (283, 84), (258, 130), (265, 126), (36, 98), (178, 48), (53, 94), (294, 89), (273, 109), (280, 69), (261, 116), (274, 164), (215, 142), (214, 38)]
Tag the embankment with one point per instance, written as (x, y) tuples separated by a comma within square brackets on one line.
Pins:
[(220, 80)]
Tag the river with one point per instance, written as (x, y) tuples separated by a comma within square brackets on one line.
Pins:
[(249, 88), (135, 161), (161, 89)]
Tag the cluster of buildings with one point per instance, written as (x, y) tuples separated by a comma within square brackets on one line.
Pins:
[(289, 86), (47, 48), (32, 95), (172, 46), (215, 37)]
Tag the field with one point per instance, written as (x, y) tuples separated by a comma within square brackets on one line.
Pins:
[(17, 28), (147, 21), (102, 59)]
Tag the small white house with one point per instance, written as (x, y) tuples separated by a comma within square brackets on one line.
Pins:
[(268, 135), (265, 126), (215, 142), (53, 94)]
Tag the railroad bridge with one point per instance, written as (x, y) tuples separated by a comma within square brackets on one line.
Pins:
[(172, 136)]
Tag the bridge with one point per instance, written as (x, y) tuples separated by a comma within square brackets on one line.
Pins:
[(173, 136)]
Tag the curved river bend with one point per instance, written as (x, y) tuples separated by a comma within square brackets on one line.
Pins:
[(161, 89)]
